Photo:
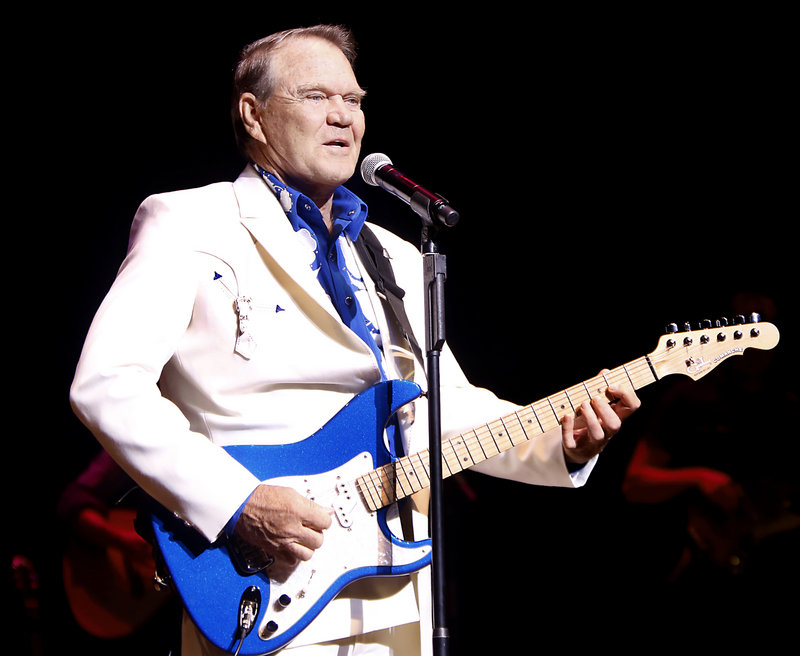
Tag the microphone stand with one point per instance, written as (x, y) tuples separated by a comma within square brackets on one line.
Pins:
[(435, 270), (435, 213), (435, 274)]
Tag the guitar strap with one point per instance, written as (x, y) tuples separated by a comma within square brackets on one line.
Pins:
[(379, 267)]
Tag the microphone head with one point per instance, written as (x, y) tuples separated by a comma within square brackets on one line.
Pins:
[(372, 163)]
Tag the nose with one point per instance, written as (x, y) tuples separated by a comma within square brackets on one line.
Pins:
[(339, 113)]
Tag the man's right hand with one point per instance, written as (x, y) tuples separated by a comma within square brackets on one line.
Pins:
[(284, 524)]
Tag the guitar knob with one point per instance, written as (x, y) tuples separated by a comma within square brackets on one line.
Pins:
[(284, 600)]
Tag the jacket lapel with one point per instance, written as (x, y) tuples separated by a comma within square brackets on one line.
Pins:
[(284, 254)]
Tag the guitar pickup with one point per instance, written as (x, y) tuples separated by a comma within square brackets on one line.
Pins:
[(345, 501)]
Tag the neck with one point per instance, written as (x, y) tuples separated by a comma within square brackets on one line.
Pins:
[(326, 209), (321, 195)]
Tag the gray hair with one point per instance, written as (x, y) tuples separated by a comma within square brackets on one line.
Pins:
[(253, 74)]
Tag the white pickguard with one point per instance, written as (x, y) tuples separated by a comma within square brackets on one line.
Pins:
[(353, 541)]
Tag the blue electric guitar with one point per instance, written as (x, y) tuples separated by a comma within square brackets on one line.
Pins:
[(345, 466)]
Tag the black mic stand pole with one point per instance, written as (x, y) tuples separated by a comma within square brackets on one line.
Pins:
[(435, 270), (435, 273)]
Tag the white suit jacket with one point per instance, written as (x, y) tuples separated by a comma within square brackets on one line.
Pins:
[(217, 332)]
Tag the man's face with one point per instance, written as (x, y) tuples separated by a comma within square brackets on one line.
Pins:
[(312, 124)]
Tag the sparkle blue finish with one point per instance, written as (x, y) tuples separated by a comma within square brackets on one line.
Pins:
[(208, 583)]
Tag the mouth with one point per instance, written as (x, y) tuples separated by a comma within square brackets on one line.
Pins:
[(338, 143)]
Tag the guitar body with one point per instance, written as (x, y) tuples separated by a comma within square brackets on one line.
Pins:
[(358, 544)]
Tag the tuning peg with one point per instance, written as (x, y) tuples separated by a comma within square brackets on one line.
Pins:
[(687, 326), (671, 328), (722, 322), (738, 320), (754, 317), (705, 324)]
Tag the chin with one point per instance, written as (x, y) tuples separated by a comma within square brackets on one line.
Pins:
[(341, 174)]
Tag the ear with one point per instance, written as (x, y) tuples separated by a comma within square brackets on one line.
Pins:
[(249, 113)]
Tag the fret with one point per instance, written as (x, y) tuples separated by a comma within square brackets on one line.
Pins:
[(646, 371), (501, 438), (605, 380), (489, 446), (376, 484), (558, 405), (569, 400), (577, 395), (595, 384), (368, 493), (477, 454), (461, 448), (484, 430), (545, 412), (625, 369), (515, 432), (406, 488), (421, 468), (521, 426), (453, 462), (508, 432), (386, 477), (529, 421)]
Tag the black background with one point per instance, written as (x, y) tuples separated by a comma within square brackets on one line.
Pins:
[(615, 171)]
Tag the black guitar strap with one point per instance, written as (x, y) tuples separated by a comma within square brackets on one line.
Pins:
[(379, 267)]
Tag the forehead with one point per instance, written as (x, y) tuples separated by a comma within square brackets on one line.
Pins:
[(305, 61)]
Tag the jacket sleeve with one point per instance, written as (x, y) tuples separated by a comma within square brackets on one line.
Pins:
[(464, 406), (115, 389), (539, 461)]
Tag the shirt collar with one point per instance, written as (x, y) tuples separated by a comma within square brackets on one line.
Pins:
[(349, 211)]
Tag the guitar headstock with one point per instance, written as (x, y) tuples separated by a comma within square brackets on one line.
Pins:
[(695, 353)]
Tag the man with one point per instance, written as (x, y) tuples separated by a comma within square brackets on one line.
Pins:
[(241, 316)]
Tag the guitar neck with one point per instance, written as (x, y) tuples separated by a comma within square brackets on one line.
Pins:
[(410, 474)]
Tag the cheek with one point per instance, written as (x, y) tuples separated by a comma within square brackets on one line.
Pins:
[(292, 127), (359, 127)]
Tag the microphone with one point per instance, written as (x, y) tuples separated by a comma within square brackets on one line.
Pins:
[(377, 170)]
